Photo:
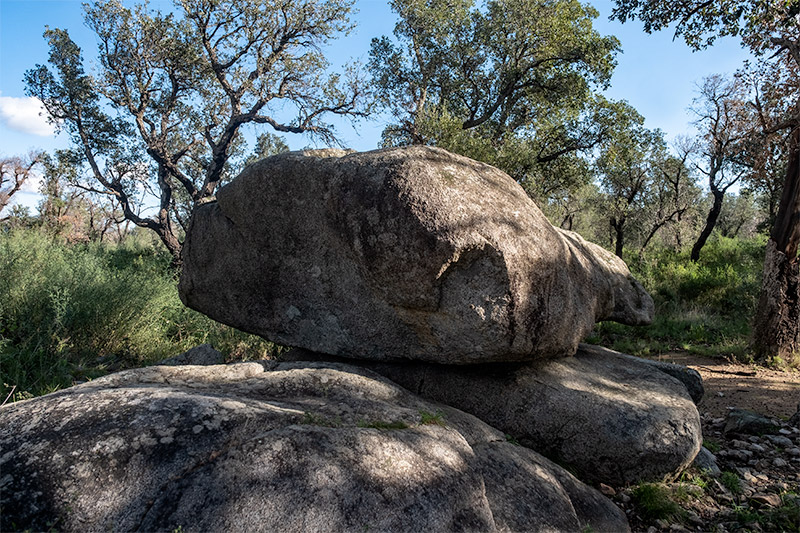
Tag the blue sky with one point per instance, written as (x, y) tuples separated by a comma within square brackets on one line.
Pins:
[(655, 74)]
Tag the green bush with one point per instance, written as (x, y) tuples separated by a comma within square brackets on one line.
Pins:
[(72, 312), (703, 308), (653, 502), (731, 482)]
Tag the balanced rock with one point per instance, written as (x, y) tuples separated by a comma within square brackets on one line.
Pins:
[(611, 417), (396, 254), (273, 447)]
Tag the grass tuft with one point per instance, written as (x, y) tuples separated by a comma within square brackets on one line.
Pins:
[(654, 502)]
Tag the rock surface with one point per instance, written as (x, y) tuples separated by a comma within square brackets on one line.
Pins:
[(748, 422), (273, 447), (397, 254), (613, 418)]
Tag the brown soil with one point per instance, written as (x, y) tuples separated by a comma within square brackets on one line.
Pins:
[(728, 384)]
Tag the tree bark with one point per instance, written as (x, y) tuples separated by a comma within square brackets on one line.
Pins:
[(776, 328), (619, 234), (711, 221)]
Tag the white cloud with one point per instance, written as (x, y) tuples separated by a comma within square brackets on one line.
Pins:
[(26, 115), (33, 184)]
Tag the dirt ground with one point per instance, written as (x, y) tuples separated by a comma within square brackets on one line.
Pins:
[(768, 392)]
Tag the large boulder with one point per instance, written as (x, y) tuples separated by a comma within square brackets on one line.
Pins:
[(404, 253), (290, 447), (611, 417)]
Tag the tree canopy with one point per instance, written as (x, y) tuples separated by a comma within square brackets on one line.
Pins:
[(510, 82), (164, 111)]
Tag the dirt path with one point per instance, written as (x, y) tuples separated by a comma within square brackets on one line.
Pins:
[(767, 392)]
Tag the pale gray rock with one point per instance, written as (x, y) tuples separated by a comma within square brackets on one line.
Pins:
[(612, 418), (688, 376), (291, 447), (397, 254)]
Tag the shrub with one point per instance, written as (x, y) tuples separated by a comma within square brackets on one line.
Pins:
[(731, 482), (703, 308), (74, 312), (653, 502)]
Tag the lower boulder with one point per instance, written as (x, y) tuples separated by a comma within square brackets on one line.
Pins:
[(612, 418), (273, 447)]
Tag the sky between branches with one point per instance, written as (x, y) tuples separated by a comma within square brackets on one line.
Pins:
[(655, 74)]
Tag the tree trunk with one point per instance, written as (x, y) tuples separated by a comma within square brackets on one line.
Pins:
[(619, 231), (776, 328), (711, 221)]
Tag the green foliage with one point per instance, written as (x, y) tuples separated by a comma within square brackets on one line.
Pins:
[(653, 502), (703, 307), (75, 312), (314, 419), (711, 445), (509, 82), (436, 418), (783, 518), (171, 91), (731, 482)]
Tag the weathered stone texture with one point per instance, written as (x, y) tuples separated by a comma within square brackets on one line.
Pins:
[(613, 418), (406, 253), (291, 447)]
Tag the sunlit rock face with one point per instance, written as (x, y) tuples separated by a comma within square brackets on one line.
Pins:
[(291, 447), (397, 254)]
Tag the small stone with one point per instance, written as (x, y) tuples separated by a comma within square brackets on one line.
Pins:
[(662, 524), (766, 500), (778, 487), (625, 497), (652, 529), (780, 440), (750, 478), (694, 518), (784, 431), (753, 462), (677, 527), (748, 422), (706, 462), (753, 438), (608, 491), (779, 463), (738, 443), (721, 394), (725, 498), (718, 421), (794, 452)]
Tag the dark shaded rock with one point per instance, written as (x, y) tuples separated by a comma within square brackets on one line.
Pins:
[(794, 420), (397, 254), (273, 447), (707, 462), (749, 423), (205, 354), (614, 419)]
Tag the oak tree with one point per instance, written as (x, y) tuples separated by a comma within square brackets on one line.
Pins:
[(173, 90), (771, 30), (513, 83), (14, 172)]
